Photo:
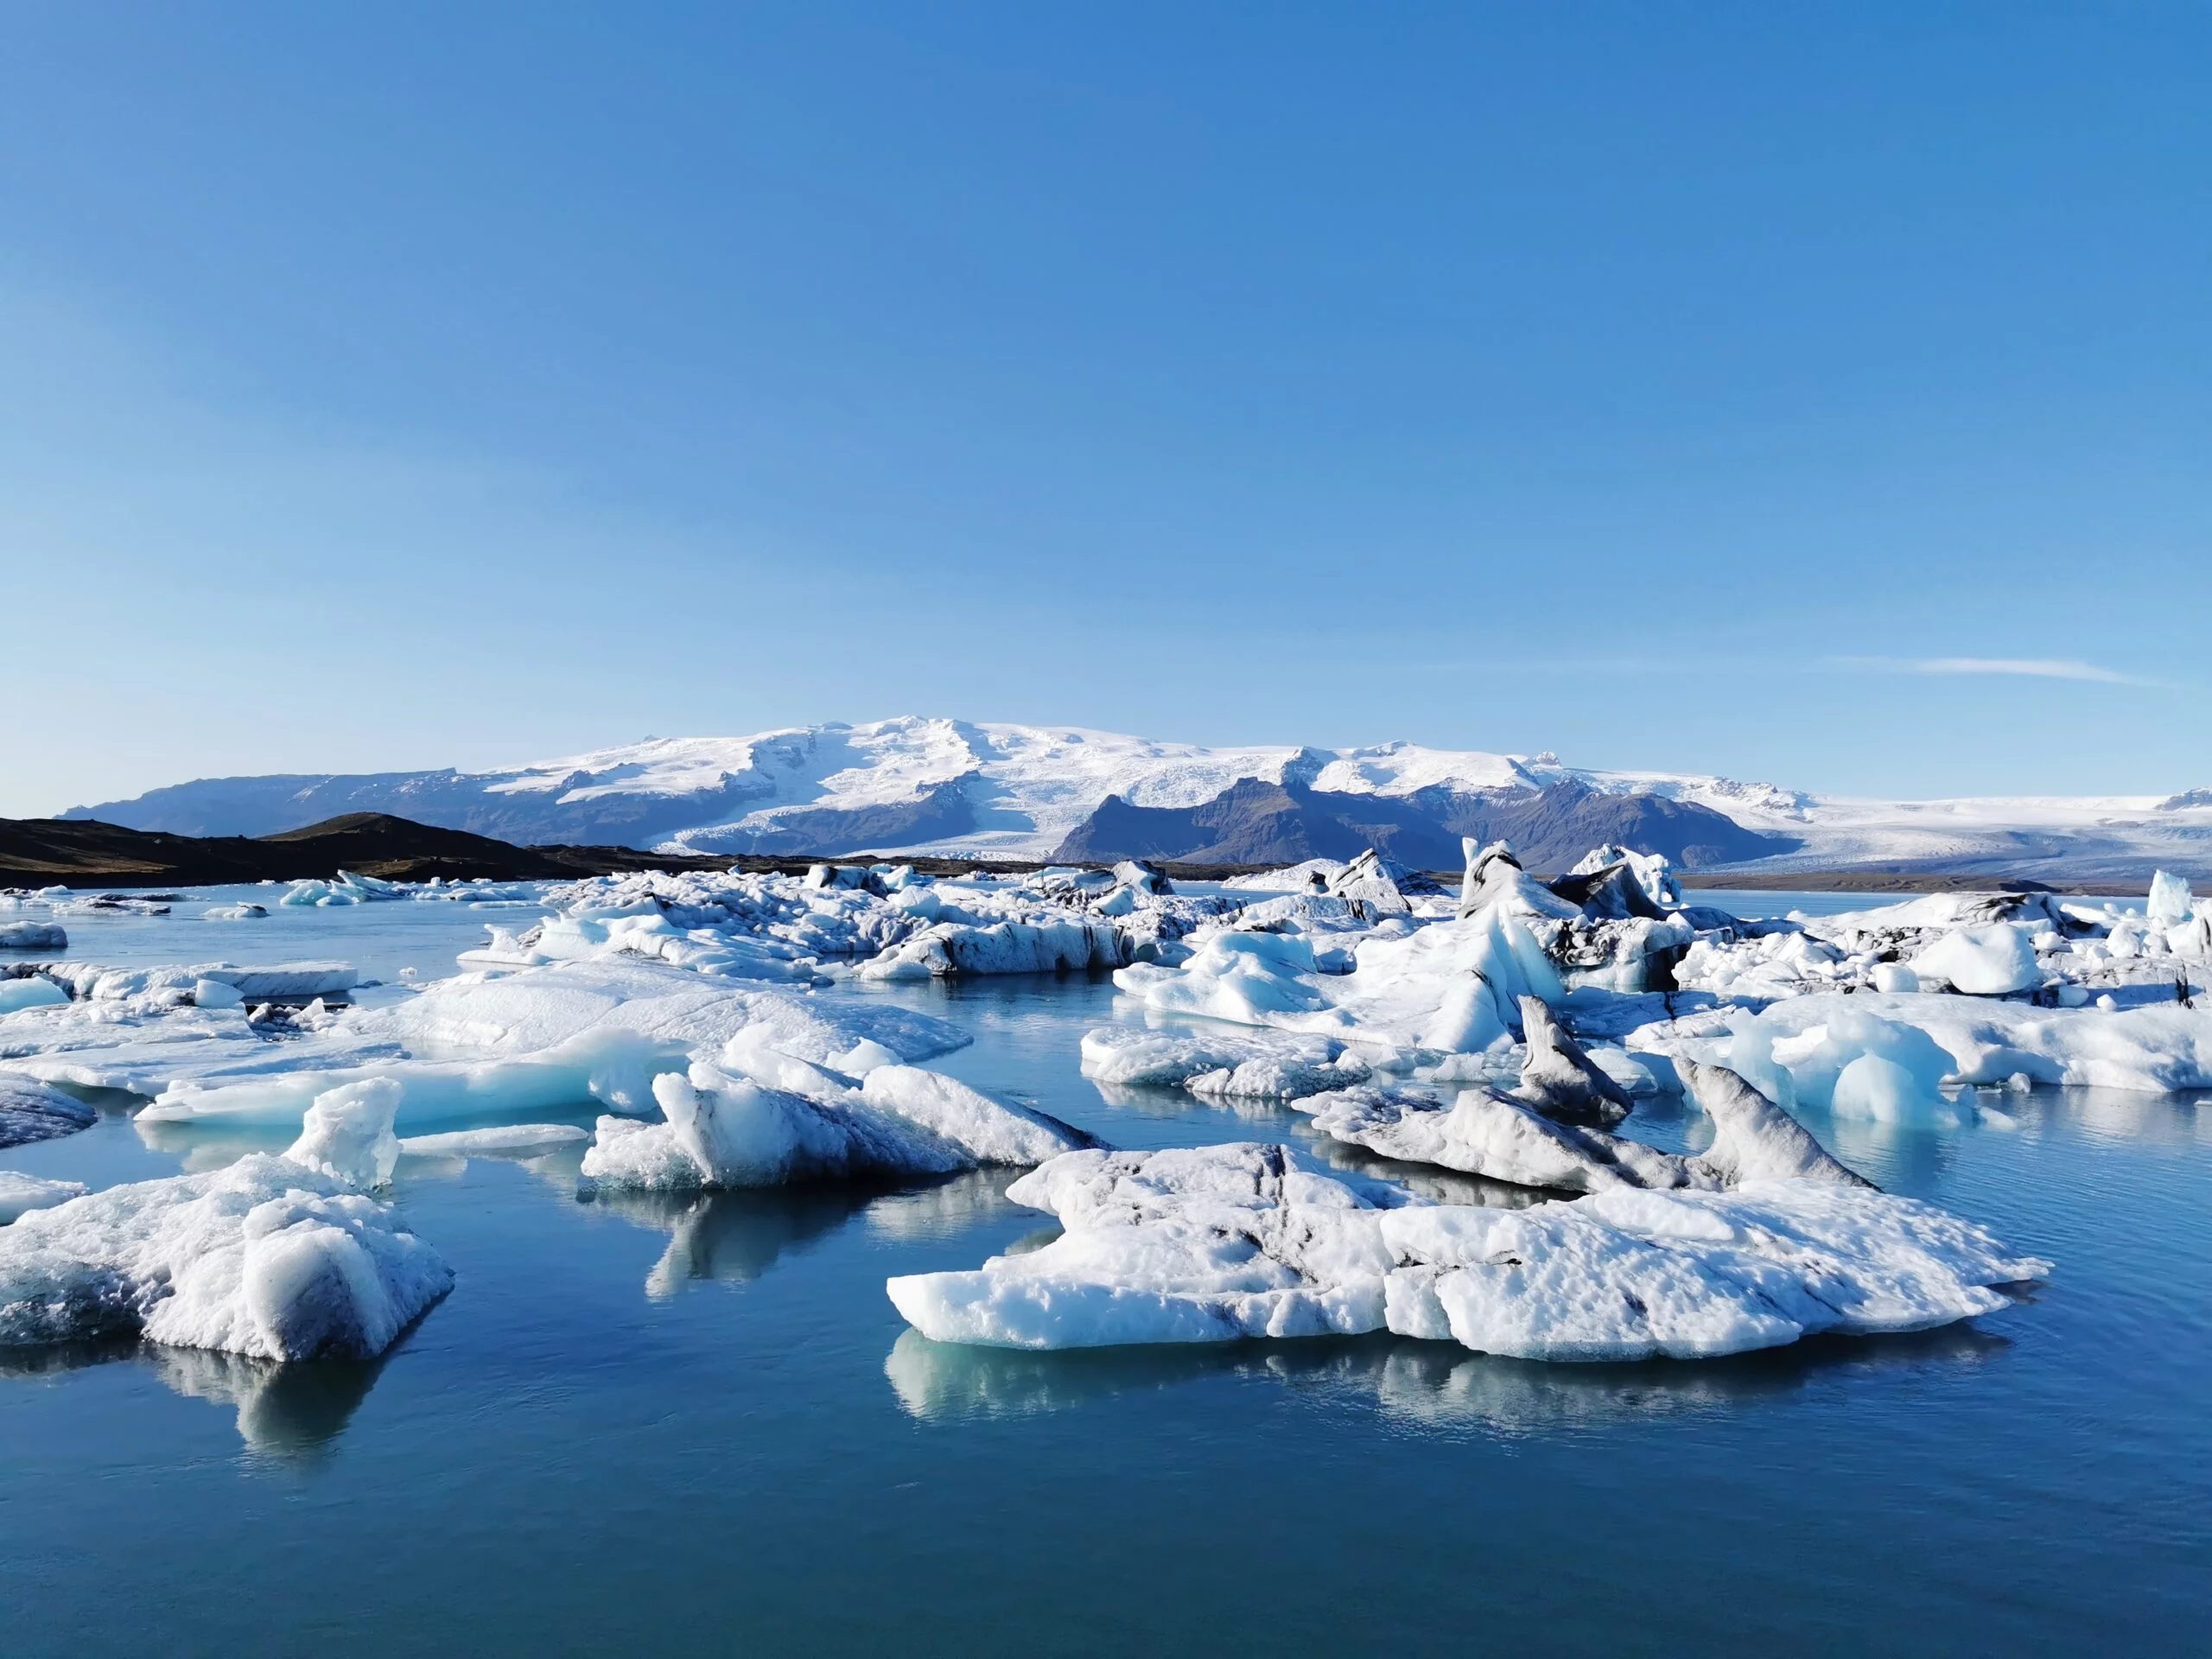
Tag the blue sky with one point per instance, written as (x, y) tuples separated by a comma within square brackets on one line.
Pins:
[(1820, 394)]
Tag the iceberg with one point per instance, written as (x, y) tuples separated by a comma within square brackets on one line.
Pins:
[(1558, 1080), (1993, 961), (31, 1111), (2160, 1048), (346, 1133), (1218, 1244), (20, 1194), (264, 1258), (33, 935), (1488, 1134), (507, 1139), (1264, 1065), (31, 991), (523, 1045), (723, 1128)]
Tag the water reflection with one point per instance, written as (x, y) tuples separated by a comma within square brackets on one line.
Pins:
[(1159, 1101), (1433, 1384), (732, 1237), (944, 1208), (289, 1413)]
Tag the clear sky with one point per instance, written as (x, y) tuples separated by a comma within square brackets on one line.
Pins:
[(1819, 393)]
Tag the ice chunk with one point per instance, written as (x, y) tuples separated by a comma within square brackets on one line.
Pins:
[(20, 1194), (723, 1130), (1558, 1080), (2171, 901), (1650, 871), (1371, 881), (33, 991), (1991, 961), (236, 913), (346, 1133), (32, 1110), (1895, 976), (1806, 1066), (1217, 1243), (1753, 1139), (526, 1044), (506, 1138), (989, 1131), (1495, 878), (1265, 1066), (263, 1257), (33, 935), (215, 993), (1491, 1135)]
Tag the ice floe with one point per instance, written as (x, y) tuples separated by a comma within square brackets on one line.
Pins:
[(471, 1048), (20, 1194), (1221, 1243), (264, 1257), (728, 1126), (33, 1111)]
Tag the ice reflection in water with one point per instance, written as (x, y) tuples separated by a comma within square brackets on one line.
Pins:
[(1431, 1383), (292, 1414)]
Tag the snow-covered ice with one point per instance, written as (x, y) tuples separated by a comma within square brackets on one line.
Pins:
[(1217, 1243), (264, 1257), (727, 1126), (33, 935), (20, 1194)]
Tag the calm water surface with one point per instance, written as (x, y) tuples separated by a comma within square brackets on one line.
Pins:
[(699, 1427)]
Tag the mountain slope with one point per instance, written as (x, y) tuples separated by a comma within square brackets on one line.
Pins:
[(955, 787)]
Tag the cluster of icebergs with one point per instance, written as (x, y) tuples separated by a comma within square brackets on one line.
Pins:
[(1506, 1033), (879, 922)]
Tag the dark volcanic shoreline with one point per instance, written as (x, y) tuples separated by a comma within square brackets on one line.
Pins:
[(85, 853)]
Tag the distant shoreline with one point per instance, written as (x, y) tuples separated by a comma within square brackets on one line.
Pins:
[(1896, 881), (88, 854)]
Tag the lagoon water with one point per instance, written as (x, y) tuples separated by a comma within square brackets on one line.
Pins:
[(698, 1426)]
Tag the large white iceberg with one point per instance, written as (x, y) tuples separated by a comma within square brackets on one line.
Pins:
[(1215, 1244), (481, 1047), (264, 1258), (793, 1122)]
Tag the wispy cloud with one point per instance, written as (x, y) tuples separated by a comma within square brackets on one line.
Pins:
[(2032, 667)]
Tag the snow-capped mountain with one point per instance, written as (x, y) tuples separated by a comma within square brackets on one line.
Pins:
[(916, 785)]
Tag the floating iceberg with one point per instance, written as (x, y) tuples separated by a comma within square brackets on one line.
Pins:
[(20, 1194), (725, 1128), (2159, 1048), (885, 923), (1264, 1065), (30, 991), (1217, 1243), (523, 1045), (33, 935), (264, 1258), (507, 1139), (31, 1111)]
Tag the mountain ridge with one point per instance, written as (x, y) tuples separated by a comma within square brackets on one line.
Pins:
[(932, 787)]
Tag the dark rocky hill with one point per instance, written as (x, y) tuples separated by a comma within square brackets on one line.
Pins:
[(1257, 823)]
